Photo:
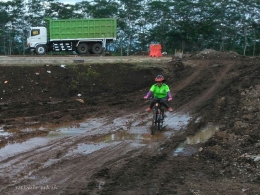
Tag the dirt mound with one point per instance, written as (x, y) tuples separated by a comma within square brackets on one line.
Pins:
[(216, 55)]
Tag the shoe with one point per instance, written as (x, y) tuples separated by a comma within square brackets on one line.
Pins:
[(148, 109), (170, 109)]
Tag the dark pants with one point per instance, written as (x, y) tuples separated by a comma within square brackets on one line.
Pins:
[(162, 101)]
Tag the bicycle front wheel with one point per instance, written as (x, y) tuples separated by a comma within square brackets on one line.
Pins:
[(154, 122), (160, 120)]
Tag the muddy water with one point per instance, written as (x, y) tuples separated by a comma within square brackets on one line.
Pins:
[(188, 148), (107, 133), (12, 149), (4, 134), (93, 137)]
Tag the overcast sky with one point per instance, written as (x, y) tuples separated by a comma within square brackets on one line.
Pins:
[(62, 1), (70, 1)]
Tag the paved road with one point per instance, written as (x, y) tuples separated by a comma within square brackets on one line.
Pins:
[(33, 60)]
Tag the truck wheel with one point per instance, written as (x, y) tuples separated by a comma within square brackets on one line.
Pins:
[(82, 48), (40, 50), (97, 48)]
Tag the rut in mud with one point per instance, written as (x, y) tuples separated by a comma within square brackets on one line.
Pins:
[(112, 151)]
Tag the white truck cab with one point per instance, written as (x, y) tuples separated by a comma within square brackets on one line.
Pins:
[(37, 40)]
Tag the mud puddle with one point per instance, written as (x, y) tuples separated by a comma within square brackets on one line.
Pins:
[(4, 133), (104, 132), (188, 147)]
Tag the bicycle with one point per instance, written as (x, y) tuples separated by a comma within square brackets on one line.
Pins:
[(158, 118)]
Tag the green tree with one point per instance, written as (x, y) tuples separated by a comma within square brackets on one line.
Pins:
[(3, 22), (161, 21), (14, 33), (59, 10), (103, 9), (129, 14)]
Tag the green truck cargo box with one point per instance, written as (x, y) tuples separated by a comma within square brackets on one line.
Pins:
[(102, 28)]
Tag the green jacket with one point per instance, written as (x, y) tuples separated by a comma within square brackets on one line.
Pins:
[(160, 92)]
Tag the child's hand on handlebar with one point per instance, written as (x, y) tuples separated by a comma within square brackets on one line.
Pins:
[(169, 99), (146, 97)]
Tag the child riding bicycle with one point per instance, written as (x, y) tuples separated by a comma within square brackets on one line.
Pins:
[(160, 92)]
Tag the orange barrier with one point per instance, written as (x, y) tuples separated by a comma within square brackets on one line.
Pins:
[(155, 50)]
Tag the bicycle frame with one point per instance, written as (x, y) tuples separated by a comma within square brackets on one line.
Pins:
[(158, 118)]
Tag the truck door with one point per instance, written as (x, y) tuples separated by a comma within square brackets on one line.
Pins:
[(38, 36)]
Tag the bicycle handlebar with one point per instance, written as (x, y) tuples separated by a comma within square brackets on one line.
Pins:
[(150, 98)]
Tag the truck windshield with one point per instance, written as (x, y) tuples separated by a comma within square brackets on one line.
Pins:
[(35, 32)]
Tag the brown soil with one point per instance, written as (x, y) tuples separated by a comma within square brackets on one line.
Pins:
[(219, 89)]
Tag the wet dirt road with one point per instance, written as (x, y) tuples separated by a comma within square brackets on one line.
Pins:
[(67, 156)]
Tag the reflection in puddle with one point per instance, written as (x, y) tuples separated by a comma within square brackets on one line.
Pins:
[(87, 148), (124, 136), (116, 138), (177, 121), (12, 149), (3, 133), (200, 137), (77, 129)]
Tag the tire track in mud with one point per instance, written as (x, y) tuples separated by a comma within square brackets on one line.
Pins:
[(187, 81), (208, 93), (84, 168), (34, 151), (53, 164), (71, 173), (28, 162)]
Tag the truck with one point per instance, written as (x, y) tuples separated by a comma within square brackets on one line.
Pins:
[(80, 35)]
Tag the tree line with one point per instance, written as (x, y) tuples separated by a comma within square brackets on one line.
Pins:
[(189, 25)]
